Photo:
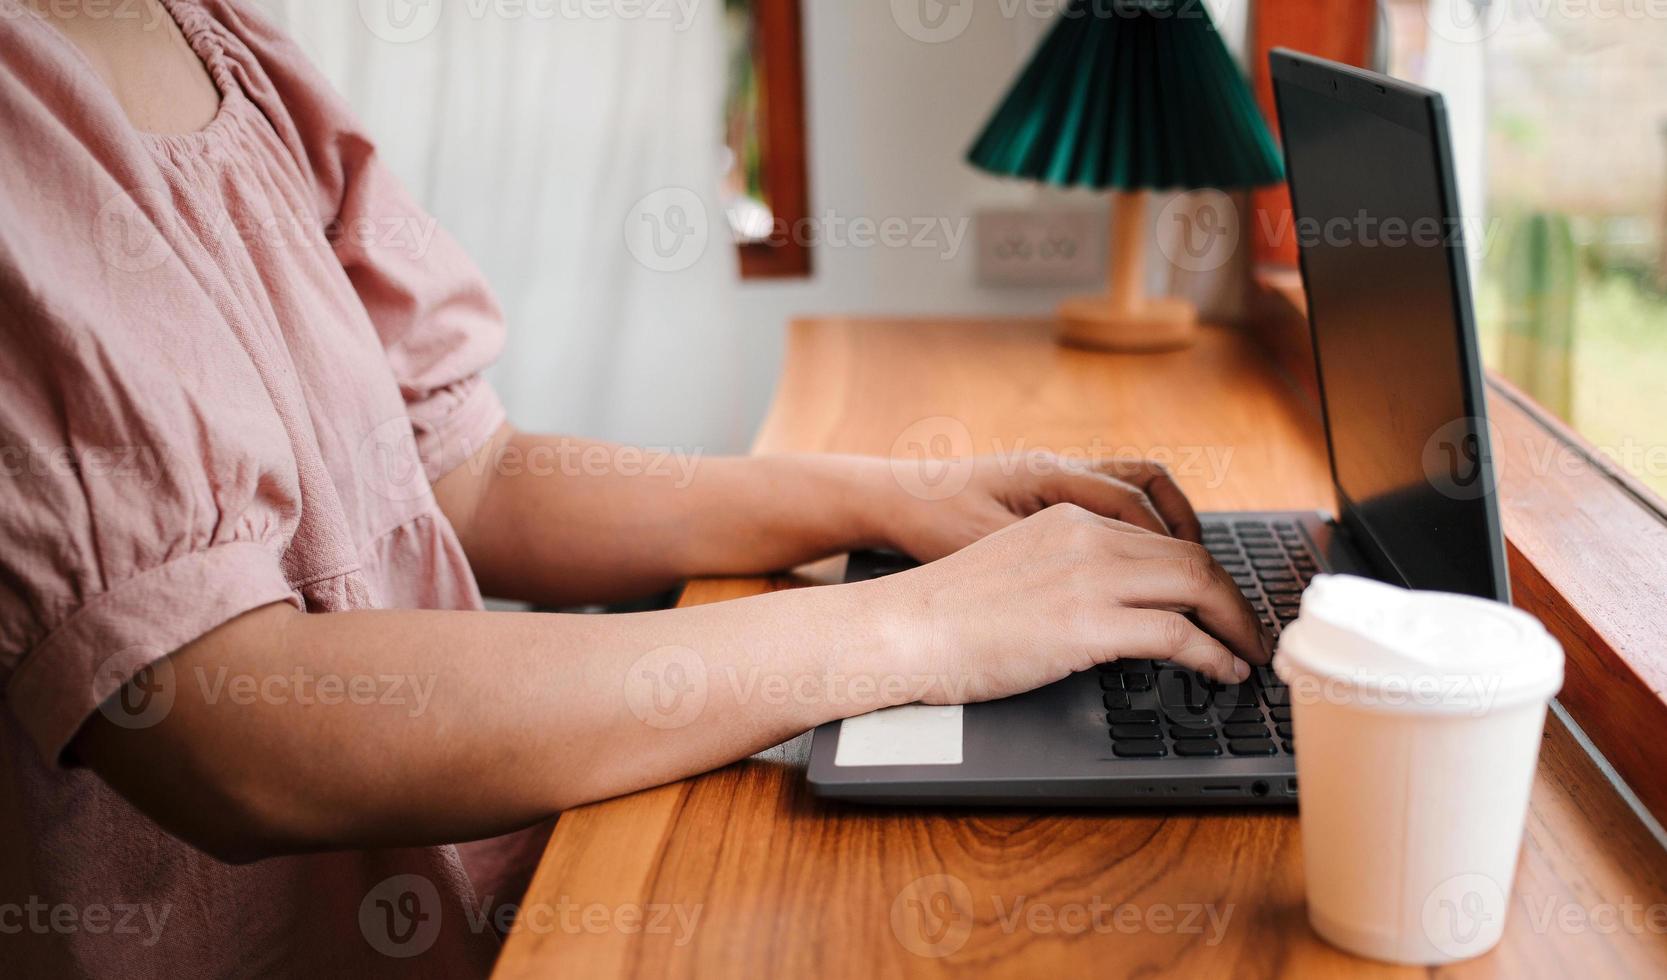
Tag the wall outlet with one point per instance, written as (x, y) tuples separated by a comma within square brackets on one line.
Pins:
[(1041, 248)]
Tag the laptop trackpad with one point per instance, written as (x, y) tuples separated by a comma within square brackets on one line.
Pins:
[(910, 735)]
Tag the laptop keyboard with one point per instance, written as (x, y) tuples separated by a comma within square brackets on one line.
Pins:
[(1155, 710), (1160, 709)]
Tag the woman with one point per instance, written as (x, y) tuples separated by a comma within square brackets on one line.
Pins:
[(253, 480)]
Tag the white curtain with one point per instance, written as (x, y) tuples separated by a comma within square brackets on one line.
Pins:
[(574, 149)]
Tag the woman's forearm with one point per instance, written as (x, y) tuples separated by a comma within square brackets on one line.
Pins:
[(558, 520), (291, 732)]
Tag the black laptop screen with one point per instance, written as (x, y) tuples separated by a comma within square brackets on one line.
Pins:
[(1392, 330)]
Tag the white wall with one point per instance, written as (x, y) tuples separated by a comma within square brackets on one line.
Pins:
[(891, 118)]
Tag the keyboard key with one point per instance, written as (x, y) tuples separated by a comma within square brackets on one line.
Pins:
[(1116, 701), (1111, 681), (1285, 601), (1179, 732), (1276, 575), (1245, 731), (1245, 581), (1234, 696), (1137, 681), (1256, 553), (1251, 746), (1283, 730), (1189, 717), (1276, 697), (1198, 747), (1288, 747), (1280, 714), (1139, 749), (1281, 588), (1136, 716), (1243, 715), (1121, 732)]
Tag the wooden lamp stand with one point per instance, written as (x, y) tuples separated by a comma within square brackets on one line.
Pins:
[(1125, 318)]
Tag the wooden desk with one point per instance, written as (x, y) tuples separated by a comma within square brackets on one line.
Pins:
[(785, 885)]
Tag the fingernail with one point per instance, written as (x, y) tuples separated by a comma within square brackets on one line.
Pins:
[(1241, 670)]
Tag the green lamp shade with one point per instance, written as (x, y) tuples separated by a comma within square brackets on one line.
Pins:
[(1131, 94)]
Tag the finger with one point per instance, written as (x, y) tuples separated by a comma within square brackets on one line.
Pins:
[(1150, 634), (1155, 480), (1106, 496), (1196, 584)]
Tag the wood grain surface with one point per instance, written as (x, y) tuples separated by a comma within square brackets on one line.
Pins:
[(747, 875)]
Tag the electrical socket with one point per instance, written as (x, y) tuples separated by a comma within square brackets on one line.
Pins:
[(1040, 248)]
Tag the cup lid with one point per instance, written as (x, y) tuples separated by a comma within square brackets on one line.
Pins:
[(1397, 649)]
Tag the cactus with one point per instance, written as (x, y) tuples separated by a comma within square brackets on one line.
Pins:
[(1539, 275)]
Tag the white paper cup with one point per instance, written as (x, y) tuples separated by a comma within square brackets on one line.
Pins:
[(1418, 720)]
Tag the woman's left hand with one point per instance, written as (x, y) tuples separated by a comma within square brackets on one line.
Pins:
[(969, 499)]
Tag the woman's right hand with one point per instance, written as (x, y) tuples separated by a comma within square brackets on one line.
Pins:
[(1059, 592)]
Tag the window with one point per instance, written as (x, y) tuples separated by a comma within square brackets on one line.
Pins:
[(764, 192), (1571, 179)]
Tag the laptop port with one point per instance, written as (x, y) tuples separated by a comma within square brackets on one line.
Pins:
[(1259, 788)]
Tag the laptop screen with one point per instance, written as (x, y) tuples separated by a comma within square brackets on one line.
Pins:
[(1377, 226)]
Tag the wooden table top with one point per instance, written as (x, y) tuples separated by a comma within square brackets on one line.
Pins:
[(748, 875)]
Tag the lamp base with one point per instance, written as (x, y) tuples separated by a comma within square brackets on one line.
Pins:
[(1154, 325)]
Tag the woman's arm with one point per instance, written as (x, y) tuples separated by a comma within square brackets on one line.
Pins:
[(283, 731), (565, 521)]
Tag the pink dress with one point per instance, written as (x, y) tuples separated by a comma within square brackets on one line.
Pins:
[(233, 361)]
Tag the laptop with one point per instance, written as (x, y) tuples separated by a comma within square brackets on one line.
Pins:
[(1377, 218)]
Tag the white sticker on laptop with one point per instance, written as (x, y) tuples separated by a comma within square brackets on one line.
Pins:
[(910, 735)]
